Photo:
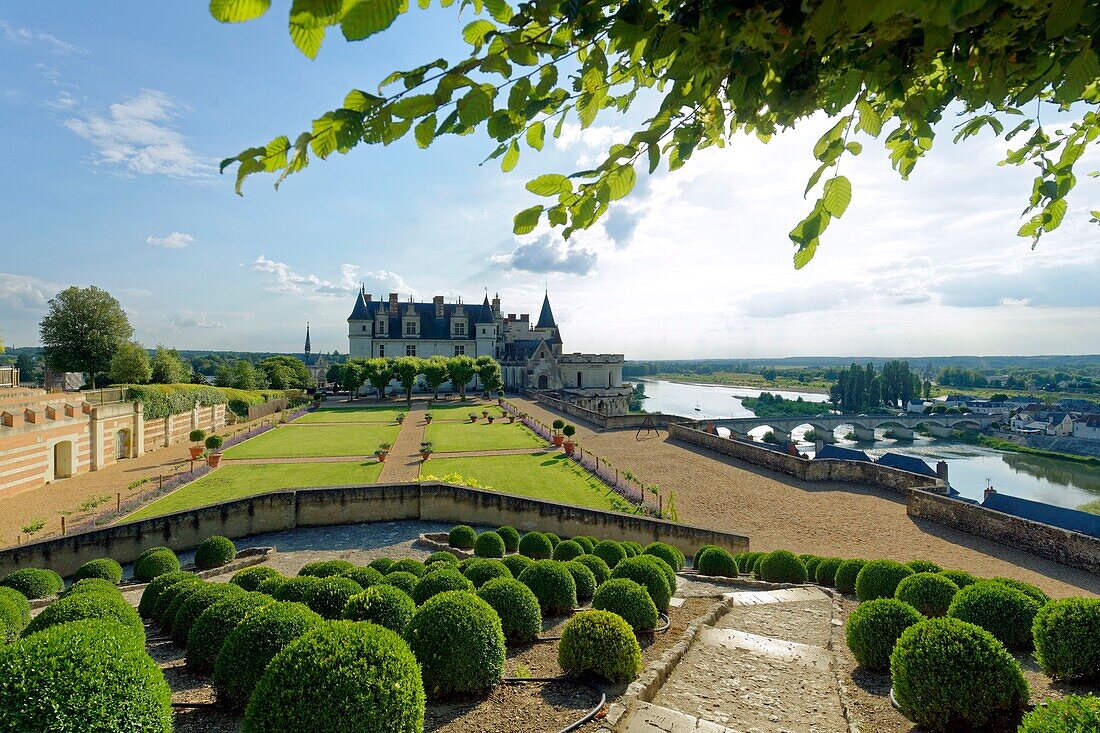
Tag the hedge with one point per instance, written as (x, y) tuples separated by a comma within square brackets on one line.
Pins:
[(1067, 638), (381, 564), (610, 551), (1034, 591), (162, 400), (782, 566), (716, 561), (1068, 715), (155, 563), (588, 543), (405, 581), (441, 556), (325, 568), (629, 600), (880, 578), (385, 605), (999, 609), (600, 644), (930, 593), (825, 572), (517, 606), (553, 585), (152, 591), (408, 565), (34, 583), (214, 552), (489, 544), (923, 566), (668, 553), (15, 614), (297, 590), (457, 638), (516, 564), (847, 573), (215, 624), (960, 578), (510, 535), (666, 570), (433, 584), (250, 578), (874, 627), (536, 546), (167, 620), (364, 576), (85, 606), (103, 567), (169, 594), (91, 585), (567, 550), (462, 536)]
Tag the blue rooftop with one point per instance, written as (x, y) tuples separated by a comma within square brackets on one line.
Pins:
[(1037, 511), (841, 454), (906, 463)]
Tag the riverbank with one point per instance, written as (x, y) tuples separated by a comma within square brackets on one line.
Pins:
[(991, 441), (729, 379)]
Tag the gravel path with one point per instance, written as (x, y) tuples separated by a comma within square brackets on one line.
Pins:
[(403, 463)]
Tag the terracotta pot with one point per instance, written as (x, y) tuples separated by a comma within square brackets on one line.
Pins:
[(558, 440), (500, 401), (473, 418), (214, 460), (428, 420), (196, 451), (568, 445), (381, 457), (511, 419), (490, 419), (425, 456)]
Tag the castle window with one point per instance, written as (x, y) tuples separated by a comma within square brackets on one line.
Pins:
[(578, 379), (364, 328), (410, 328), (460, 328), (381, 349), (460, 349), (410, 349)]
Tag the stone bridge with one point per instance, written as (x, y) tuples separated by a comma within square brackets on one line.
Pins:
[(863, 426)]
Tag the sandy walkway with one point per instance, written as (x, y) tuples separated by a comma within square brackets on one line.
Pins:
[(403, 462)]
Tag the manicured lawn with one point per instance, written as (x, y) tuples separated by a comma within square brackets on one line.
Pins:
[(241, 480), (461, 410), (357, 413), (548, 476), (297, 441), (468, 436)]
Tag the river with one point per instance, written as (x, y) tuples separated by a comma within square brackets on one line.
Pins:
[(970, 467)]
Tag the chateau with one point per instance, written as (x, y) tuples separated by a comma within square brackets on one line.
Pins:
[(531, 357)]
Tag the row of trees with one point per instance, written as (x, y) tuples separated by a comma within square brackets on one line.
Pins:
[(862, 389), (131, 364), (274, 372), (407, 370)]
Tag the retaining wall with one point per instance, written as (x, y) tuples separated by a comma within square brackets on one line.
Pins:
[(606, 422)]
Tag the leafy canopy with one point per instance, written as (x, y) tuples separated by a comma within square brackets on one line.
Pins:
[(707, 69), (82, 330)]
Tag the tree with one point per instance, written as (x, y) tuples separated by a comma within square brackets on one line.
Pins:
[(707, 70), (379, 372), (286, 372), (406, 369), (926, 390), (485, 366), (350, 375), (82, 330), (169, 367), (435, 373), (241, 375), (130, 365), (461, 370)]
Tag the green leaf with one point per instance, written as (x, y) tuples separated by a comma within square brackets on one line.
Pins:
[(1053, 214), (308, 21), (425, 131), (511, 158), (500, 10), (621, 181), (1078, 74), (837, 194), (364, 18), (474, 107), (536, 135), (361, 101), (414, 106), (869, 120), (526, 220), (1063, 15), (238, 11), (557, 216), (475, 33), (550, 184), (307, 40)]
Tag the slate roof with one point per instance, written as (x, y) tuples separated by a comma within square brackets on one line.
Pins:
[(546, 316), (1056, 516), (906, 463), (430, 326), (841, 454), (485, 315), (521, 349)]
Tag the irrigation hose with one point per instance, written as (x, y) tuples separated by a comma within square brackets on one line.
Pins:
[(580, 721)]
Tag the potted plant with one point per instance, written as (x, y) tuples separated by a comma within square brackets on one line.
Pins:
[(485, 413), (400, 418), (426, 450), (428, 417), (382, 452), (558, 437), (196, 436), (473, 417), (567, 442), (511, 418), (214, 450), (500, 398), (490, 418)]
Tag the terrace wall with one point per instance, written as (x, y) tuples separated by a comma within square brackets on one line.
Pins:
[(607, 422)]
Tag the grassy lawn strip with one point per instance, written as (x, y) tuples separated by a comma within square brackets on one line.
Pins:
[(546, 476), (299, 441), (462, 410), (468, 436), (362, 413), (236, 482)]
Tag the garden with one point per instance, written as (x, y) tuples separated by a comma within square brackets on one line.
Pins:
[(308, 441), (453, 437), (386, 413)]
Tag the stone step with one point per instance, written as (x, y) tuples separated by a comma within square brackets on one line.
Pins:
[(649, 718)]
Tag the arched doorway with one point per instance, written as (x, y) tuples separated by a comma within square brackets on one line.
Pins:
[(544, 382), (122, 444), (63, 459)]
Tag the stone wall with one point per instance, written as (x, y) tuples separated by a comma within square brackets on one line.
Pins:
[(284, 510), (1079, 446), (633, 420)]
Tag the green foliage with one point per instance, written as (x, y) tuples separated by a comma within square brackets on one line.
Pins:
[(151, 594), (156, 563), (269, 586), (923, 566), (169, 595), (407, 565), (1027, 589), (610, 551), (536, 546), (331, 594), (296, 590), (214, 552), (516, 564), (401, 579), (928, 592), (362, 676), (130, 365), (82, 330), (782, 566), (325, 568), (481, 571), (457, 638), (251, 577), (385, 605), (489, 544), (633, 549), (810, 563), (34, 582), (364, 576), (567, 550), (202, 599), (599, 568), (285, 372), (960, 578), (91, 675), (83, 606), (167, 618), (103, 567), (381, 564), (1002, 611), (1073, 714), (599, 644), (510, 535), (554, 539), (1067, 638), (167, 367), (668, 553), (879, 579), (950, 675), (162, 400), (648, 576), (587, 543), (848, 573), (825, 572), (91, 585), (444, 580), (553, 585), (715, 561), (517, 606), (213, 443), (214, 625), (629, 600), (441, 557), (670, 576), (15, 609), (746, 561), (873, 628), (583, 578), (253, 644)]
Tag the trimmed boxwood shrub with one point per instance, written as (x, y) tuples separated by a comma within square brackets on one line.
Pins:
[(825, 573), (632, 547), (441, 556), (873, 628), (254, 643), (923, 566), (1028, 589), (215, 552), (435, 567), (481, 572), (433, 584), (628, 599), (405, 581), (156, 563), (250, 578), (1067, 638), (15, 614), (83, 606), (599, 568), (169, 595), (648, 576), (215, 624), (746, 562), (1002, 611), (297, 590), (457, 639), (880, 578), (810, 562), (949, 674), (91, 675), (599, 644), (668, 553), (930, 593), (610, 551), (331, 594), (587, 543), (847, 573), (34, 583), (152, 591), (408, 565), (364, 576), (269, 586), (536, 546), (150, 551), (91, 585), (103, 567), (517, 606), (583, 578), (701, 550), (325, 568), (553, 585), (167, 620), (385, 605), (782, 566), (716, 561), (381, 564), (666, 570), (462, 536), (198, 602), (489, 544), (960, 578), (1073, 714), (554, 539), (567, 550), (516, 564), (510, 535), (357, 677)]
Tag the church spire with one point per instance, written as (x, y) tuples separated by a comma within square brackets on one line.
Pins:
[(546, 317), (307, 339)]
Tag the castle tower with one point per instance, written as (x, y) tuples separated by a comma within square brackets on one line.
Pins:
[(308, 349), (548, 326)]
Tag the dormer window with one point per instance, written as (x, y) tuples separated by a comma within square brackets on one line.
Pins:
[(410, 328), (459, 328), (382, 325)]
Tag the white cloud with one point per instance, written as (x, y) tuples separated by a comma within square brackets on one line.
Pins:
[(137, 137), (24, 292), (191, 319), (175, 240), (136, 292), (63, 102), (287, 280), (548, 253), (31, 37)]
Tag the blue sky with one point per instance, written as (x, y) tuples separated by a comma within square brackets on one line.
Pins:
[(114, 116)]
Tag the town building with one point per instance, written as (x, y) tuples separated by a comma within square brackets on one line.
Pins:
[(1087, 427), (317, 364)]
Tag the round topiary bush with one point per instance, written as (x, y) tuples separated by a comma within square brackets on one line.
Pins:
[(610, 551), (457, 639), (1073, 714), (155, 563), (489, 544), (588, 544), (825, 572), (441, 556), (85, 606), (167, 619), (929, 593), (670, 576), (297, 590), (215, 624), (873, 628), (405, 581), (554, 539), (668, 553), (516, 564), (567, 550), (408, 565), (34, 583), (716, 561), (15, 614), (811, 563), (482, 571), (847, 573), (632, 548), (1067, 638), (649, 576), (331, 594), (553, 585), (949, 674), (104, 568), (536, 546), (250, 578), (745, 562), (517, 606), (1002, 611), (462, 536), (169, 595), (599, 568), (150, 551), (629, 600), (923, 566), (254, 643), (325, 568), (196, 603), (385, 605), (364, 576), (880, 578), (599, 644), (215, 552), (358, 677), (152, 591), (91, 675), (381, 564), (433, 584), (510, 535), (701, 550), (91, 585), (269, 586), (782, 566), (583, 578), (960, 578), (1026, 588)]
